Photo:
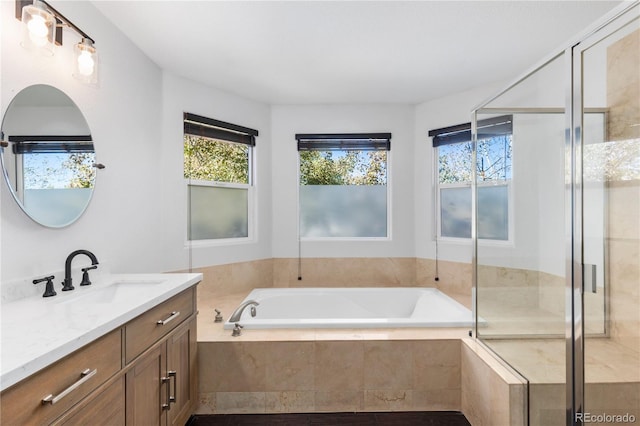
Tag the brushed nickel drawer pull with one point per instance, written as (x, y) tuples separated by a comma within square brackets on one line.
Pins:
[(174, 315), (174, 374), (166, 380), (85, 375)]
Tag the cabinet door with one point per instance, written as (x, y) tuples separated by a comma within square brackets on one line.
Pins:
[(106, 408), (147, 392), (181, 361)]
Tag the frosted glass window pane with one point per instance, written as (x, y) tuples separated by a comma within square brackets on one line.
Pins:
[(493, 212), (493, 164), (218, 212), (455, 208), (56, 207), (343, 210)]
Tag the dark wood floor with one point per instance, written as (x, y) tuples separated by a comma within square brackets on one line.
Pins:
[(426, 418)]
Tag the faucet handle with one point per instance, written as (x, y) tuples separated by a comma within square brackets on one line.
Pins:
[(85, 275), (48, 290), (237, 330), (218, 317)]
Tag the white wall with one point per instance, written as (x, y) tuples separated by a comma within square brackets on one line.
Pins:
[(443, 112), (287, 120), (121, 225), (136, 221), (181, 95), (538, 173)]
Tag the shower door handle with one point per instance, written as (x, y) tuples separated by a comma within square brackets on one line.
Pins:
[(589, 278)]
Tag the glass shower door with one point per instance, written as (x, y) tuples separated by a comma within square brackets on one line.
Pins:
[(607, 102), (520, 280)]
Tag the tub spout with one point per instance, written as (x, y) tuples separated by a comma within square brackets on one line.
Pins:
[(235, 316)]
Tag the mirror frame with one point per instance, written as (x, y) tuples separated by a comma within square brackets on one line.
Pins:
[(59, 143)]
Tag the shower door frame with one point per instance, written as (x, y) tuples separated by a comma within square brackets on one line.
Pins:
[(575, 335)]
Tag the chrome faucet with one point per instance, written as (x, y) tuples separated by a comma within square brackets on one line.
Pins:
[(66, 284), (235, 316)]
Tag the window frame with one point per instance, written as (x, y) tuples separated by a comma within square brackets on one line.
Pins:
[(242, 136), (458, 133), (348, 141)]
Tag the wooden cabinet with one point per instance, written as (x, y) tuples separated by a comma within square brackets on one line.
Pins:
[(46, 395), (148, 389), (148, 328), (181, 359), (104, 408), (142, 373), (161, 385)]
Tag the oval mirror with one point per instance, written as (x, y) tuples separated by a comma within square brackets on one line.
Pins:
[(48, 158)]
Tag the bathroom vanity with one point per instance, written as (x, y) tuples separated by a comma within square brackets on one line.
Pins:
[(121, 352)]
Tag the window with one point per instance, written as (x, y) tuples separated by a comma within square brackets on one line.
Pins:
[(493, 175), (218, 170), (343, 185), (52, 176)]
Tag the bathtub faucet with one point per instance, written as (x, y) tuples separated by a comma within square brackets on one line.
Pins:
[(235, 316)]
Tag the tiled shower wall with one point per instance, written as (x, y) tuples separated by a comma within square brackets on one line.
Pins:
[(623, 101)]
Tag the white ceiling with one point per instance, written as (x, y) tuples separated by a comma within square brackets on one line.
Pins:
[(313, 52)]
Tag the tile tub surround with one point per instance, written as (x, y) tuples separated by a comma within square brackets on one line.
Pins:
[(316, 370), (345, 272), (329, 375), (235, 277), (492, 393), (455, 278), (32, 335)]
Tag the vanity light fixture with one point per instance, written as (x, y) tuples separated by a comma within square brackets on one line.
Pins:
[(39, 27), (43, 28), (86, 61)]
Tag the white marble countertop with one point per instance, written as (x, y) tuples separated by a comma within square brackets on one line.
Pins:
[(37, 331)]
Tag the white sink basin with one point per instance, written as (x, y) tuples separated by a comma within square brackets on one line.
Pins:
[(110, 292)]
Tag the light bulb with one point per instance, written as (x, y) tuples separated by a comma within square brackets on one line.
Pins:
[(38, 26), (86, 67), (86, 64)]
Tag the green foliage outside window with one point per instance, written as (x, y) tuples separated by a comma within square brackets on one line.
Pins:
[(215, 160), (343, 167), (59, 170)]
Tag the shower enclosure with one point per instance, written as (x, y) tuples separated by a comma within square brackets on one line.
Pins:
[(558, 296)]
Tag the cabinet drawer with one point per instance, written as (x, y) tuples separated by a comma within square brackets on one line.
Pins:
[(103, 408), (148, 328), (63, 382)]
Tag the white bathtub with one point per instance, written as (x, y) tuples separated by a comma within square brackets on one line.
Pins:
[(371, 307)]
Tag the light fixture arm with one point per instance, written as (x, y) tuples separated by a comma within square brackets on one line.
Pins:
[(61, 20)]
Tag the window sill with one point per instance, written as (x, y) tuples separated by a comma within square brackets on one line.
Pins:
[(482, 242), (219, 243), (344, 239)]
